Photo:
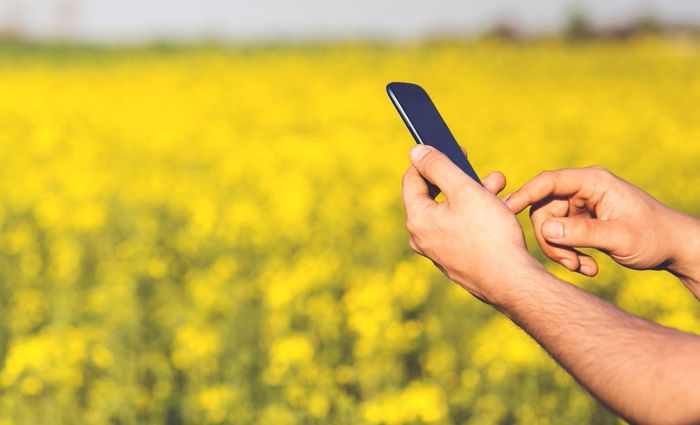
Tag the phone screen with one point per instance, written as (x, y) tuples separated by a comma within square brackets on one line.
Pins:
[(425, 123)]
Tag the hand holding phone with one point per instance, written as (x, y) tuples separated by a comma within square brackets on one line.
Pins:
[(427, 126)]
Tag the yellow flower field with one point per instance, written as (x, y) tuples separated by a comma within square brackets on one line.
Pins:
[(211, 235)]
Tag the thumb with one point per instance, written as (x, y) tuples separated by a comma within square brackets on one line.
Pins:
[(439, 169), (582, 232)]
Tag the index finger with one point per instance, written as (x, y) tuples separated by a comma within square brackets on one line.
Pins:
[(564, 182)]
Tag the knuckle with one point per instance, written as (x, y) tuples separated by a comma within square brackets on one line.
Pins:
[(413, 225), (590, 229), (600, 171), (546, 174), (543, 179)]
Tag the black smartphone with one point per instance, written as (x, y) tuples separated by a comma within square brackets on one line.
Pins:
[(427, 126)]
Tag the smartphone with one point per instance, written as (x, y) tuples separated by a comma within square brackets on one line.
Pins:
[(427, 126)]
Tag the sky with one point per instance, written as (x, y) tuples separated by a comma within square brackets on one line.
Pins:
[(125, 21)]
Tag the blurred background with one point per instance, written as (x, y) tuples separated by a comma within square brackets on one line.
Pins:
[(131, 21), (200, 213)]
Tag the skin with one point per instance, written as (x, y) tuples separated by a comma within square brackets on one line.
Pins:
[(593, 208), (644, 372)]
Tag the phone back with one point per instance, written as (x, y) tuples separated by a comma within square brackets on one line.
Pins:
[(425, 123)]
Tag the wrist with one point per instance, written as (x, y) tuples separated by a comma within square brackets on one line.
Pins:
[(684, 261), (535, 292), (513, 285)]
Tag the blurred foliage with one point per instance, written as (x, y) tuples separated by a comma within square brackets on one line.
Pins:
[(207, 235)]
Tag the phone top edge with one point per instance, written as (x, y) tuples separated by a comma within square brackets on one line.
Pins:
[(405, 88), (397, 104)]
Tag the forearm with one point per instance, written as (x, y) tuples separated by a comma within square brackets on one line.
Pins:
[(644, 372), (684, 235)]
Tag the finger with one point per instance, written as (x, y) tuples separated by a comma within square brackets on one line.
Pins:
[(440, 170), (494, 182), (565, 182), (561, 254), (539, 214), (588, 266), (605, 235), (464, 151), (415, 191)]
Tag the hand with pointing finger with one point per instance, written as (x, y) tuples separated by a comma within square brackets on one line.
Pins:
[(591, 207), (475, 239), (472, 236)]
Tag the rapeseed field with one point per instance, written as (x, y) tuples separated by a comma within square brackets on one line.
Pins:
[(215, 235)]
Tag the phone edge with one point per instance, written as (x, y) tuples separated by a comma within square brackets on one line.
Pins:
[(403, 114), (433, 190)]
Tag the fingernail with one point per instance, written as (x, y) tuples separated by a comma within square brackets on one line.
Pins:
[(553, 229), (567, 263), (418, 152), (505, 198)]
